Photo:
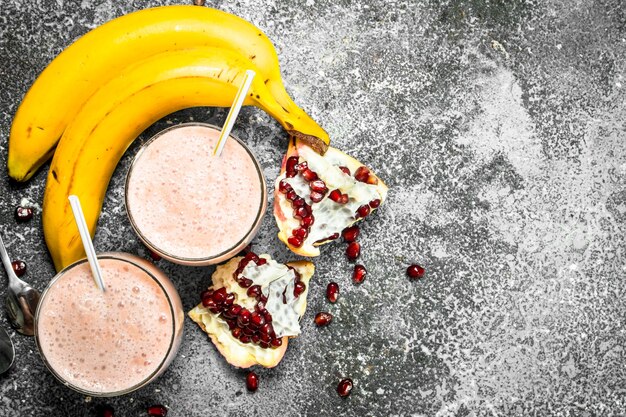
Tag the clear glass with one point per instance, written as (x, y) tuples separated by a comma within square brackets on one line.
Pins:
[(173, 300), (212, 258)]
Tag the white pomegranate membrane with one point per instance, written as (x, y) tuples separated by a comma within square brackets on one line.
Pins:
[(104, 343), (262, 304), (192, 207)]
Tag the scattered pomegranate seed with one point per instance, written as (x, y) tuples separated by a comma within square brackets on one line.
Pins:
[(295, 241), (350, 233), (323, 319), (363, 211), (106, 411), (375, 203), (346, 170), (318, 185), (19, 267), (155, 256), (299, 288), (308, 175), (316, 197), (353, 251), (332, 292), (345, 387), (415, 271), (362, 174), (23, 214), (252, 381), (358, 276), (157, 411)]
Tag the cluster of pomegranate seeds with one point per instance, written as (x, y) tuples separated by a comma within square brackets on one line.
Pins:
[(252, 381), (323, 319), (358, 276), (344, 388), (415, 271), (23, 214), (157, 411), (19, 267), (332, 292)]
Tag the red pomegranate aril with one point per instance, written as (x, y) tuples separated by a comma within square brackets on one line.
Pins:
[(244, 338), (316, 197), (353, 250), (236, 332), (157, 411), (300, 213), (318, 185), (252, 381), (302, 166), (266, 329), (248, 331), (359, 273), (277, 342), (344, 199), (257, 320), (350, 233), (299, 288), (262, 299), (19, 267), (284, 187), (255, 338), (206, 294), (254, 291), (335, 195), (332, 292), (245, 282), (209, 303), (229, 300), (244, 317), (308, 174), (375, 203), (295, 241), (219, 295), (362, 174), (264, 345), (291, 195), (23, 214), (155, 256), (307, 221), (323, 319), (268, 317), (106, 411), (290, 166), (346, 170), (363, 211), (300, 233), (261, 261), (298, 202), (415, 271), (250, 256), (231, 324), (333, 236), (344, 387)]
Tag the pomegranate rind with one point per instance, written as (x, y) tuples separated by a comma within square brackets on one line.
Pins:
[(245, 355), (282, 207)]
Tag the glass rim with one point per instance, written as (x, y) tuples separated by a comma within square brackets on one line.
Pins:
[(206, 259), (144, 381)]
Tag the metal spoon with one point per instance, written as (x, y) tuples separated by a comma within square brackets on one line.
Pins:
[(7, 351), (22, 299)]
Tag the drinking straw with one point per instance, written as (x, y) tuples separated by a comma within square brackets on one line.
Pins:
[(79, 217), (234, 112)]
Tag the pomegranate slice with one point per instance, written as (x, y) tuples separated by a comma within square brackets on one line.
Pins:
[(335, 199)]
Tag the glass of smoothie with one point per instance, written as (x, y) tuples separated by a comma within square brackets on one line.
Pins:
[(189, 206), (109, 343)]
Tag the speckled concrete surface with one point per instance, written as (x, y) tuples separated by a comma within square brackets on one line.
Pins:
[(499, 127)]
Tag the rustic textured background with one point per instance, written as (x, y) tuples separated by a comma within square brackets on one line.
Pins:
[(499, 127)]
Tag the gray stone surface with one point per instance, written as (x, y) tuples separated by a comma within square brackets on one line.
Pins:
[(499, 127)]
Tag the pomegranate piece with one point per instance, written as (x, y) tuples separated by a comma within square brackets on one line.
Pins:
[(344, 388), (362, 174), (350, 233), (295, 241), (353, 251), (23, 214), (323, 319), (19, 267), (157, 411), (299, 288), (363, 211), (345, 170), (332, 292), (318, 185), (358, 276), (252, 381), (415, 271)]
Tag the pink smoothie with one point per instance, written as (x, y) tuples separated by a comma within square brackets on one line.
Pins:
[(104, 343), (187, 204)]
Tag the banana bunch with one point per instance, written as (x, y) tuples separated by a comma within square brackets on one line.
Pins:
[(100, 93)]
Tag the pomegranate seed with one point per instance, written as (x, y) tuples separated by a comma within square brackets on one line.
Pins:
[(231, 324), (264, 345), (157, 411), (229, 300), (308, 174), (250, 256), (277, 342), (254, 291), (291, 195), (255, 338), (344, 199), (268, 316), (244, 317), (299, 288), (353, 251), (300, 213), (106, 411), (245, 338), (261, 261), (206, 293), (252, 381), (262, 299), (298, 202), (415, 271), (209, 303), (363, 211), (295, 241), (345, 387), (350, 233), (346, 170), (234, 310), (375, 203), (335, 195), (19, 267), (358, 276), (266, 329), (155, 256), (302, 166), (372, 180), (300, 233), (284, 187), (307, 221), (257, 320), (219, 295), (245, 282), (323, 319), (23, 214), (236, 332), (290, 166), (318, 185), (316, 197), (332, 292), (362, 174)]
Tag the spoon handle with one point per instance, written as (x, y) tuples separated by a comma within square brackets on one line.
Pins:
[(6, 261)]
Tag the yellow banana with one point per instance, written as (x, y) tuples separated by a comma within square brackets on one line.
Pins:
[(118, 112), (72, 77)]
